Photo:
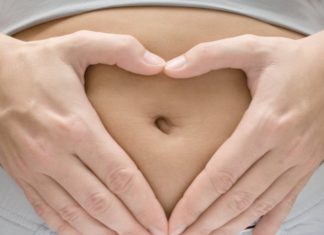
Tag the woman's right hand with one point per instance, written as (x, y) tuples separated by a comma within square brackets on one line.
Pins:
[(54, 145)]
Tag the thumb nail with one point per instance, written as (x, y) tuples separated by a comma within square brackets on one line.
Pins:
[(176, 63), (151, 58)]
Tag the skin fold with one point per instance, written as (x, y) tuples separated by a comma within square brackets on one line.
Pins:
[(170, 128)]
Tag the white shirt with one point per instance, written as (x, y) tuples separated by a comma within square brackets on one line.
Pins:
[(304, 16)]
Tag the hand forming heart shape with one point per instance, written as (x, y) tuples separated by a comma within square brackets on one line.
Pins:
[(224, 198), (216, 185), (280, 135)]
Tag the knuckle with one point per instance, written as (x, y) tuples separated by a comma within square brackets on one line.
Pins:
[(201, 50), (73, 126), (272, 125), (221, 181), (252, 42), (259, 46), (39, 207), (70, 213), (121, 180), (67, 45), (263, 207), (98, 203), (125, 42), (79, 39), (240, 201)]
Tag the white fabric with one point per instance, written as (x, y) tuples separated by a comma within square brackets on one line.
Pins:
[(304, 16)]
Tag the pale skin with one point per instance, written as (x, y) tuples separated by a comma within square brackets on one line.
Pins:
[(50, 140), (268, 128), (280, 137)]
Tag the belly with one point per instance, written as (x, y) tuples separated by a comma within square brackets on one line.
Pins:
[(170, 128)]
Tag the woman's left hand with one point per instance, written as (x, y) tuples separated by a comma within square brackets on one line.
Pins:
[(261, 168)]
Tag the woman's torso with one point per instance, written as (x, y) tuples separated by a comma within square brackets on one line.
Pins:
[(170, 128)]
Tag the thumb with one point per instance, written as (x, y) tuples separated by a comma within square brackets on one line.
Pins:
[(85, 48), (239, 52)]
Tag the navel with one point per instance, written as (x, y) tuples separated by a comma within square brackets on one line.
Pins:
[(163, 124)]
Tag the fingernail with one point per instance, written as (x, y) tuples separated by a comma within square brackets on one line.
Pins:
[(178, 231), (151, 58), (155, 231), (176, 63)]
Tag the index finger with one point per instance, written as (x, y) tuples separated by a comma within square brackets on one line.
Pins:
[(111, 164), (219, 175)]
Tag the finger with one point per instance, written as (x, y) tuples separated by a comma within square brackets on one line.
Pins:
[(94, 197), (51, 218), (219, 175), (261, 206), (117, 171), (248, 188), (269, 227), (235, 52), (125, 51), (270, 223), (112, 165), (68, 209)]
